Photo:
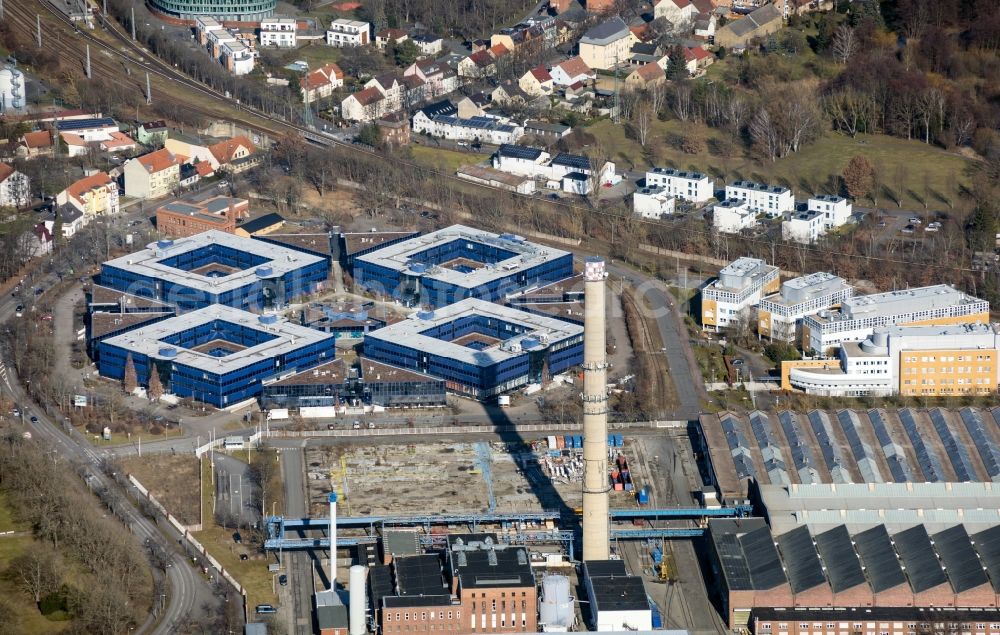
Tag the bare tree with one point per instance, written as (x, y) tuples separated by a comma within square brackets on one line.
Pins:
[(765, 134), (682, 101), (642, 122), (37, 572), (657, 94), (845, 43)]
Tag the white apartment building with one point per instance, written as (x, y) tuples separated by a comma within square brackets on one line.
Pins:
[(237, 57), (836, 210), (741, 285), (779, 316), (225, 46), (690, 186), (803, 227), (772, 200), (520, 160), (732, 216), (652, 202), (934, 361), (484, 129), (345, 33), (858, 316), (279, 32)]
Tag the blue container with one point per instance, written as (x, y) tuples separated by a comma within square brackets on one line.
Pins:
[(643, 496), (578, 441), (611, 440), (657, 556), (629, 487), (568, 439), (619, 440)]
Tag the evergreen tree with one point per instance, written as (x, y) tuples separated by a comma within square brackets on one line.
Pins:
[(131, 380)]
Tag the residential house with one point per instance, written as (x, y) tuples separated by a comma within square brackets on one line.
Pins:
[(152, 175), (491, 130), (689, 186), (705, 25), (520, 36), (93, 195), (643, 53), (394, 129), (428, 43), (607, 44), (836, 210), (188, 175), (732, 216), (508, 93), (278, 32), (231, 150), (385, 36), (204, 169), (676, 12), (773, 200), (652, 203), (76, 146), (549, 132), (227, 46), (119, 142), (321, 82), (468, 108), (645, 77), (190, 150), (70, 218), (391, 87), (696, 59), (348, 33), (572, 71), (482, 63), (520, 160), (803, 227), (439, 79), (536, 82), (759, 23), (15, 187), (365, 105), (152, 133), (41, 241), (35, 144), (443, 108)]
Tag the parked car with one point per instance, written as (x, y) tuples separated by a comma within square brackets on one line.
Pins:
[(265, 609), (237, 538), (19, 310), (908, 229), (283, 579), (34, 419), (913, 220)]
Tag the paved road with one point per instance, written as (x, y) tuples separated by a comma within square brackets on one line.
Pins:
[(234, 490)]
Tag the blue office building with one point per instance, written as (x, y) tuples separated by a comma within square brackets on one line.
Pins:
[(218, 354), (217, 268), (459, 262), (480, 349)]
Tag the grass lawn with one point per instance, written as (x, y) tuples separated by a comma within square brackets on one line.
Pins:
[(121, 438), (316, 54), (6, 521), (252, 573), (814, 169), (442, 159), (170, 479)]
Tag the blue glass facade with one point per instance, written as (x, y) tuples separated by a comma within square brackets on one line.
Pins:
[(218, 389), (423, 288), (481, 381), (260, 293)]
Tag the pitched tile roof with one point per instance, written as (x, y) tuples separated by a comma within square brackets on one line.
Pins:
[(694, 53), (204, 168), (541, 74), (649, 72), (39, 139), (72, 139), (498, 50), (575, 66), (224, 150), (157, 161), (118, 140), (84, 185), (368, 96), (481, 58), (322, 76), (5, 172)]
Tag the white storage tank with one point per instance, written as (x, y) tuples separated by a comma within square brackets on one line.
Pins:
[(556, 608), (11, 89), (357, 601)]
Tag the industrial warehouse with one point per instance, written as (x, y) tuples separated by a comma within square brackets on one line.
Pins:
[(459, 262), (217, 268)]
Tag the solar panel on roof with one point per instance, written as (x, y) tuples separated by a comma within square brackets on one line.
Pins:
[(739, 447), (917, 553), (820, 423), (801, 561), (961, 563), (988, 450), (956, 451), (928, 459), (774, 461), (802, 455), (862, 452), (843, 566), (987, 545), (572, 160), (879, 559), (894, 456), (762, 559), (519, 152)]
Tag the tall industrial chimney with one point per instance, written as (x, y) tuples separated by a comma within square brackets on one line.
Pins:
[(333, 540), (595, 416)]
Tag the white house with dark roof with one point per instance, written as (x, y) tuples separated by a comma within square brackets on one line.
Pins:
[(520, 160), (772, 200), (836, 210), (689, 186)]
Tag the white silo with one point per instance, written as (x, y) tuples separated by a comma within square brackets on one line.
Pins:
[(357, 601), (556, 613), (11, 89)]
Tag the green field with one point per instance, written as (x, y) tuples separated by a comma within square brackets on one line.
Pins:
[(447, 160), (814, 169)]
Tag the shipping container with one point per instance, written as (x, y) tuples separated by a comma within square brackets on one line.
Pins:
[(619, 440), (568, 441), (619, 487), (552, 443), (657, 555), (629, 487), (560, 444), (643, 496), (611, 440)]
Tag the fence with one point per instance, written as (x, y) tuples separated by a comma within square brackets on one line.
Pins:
[(466, 429), (201, 450)]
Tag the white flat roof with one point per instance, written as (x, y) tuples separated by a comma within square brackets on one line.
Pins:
[(287, 337), (401, 256), (904, 301), (409, 332), (281, 260)]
